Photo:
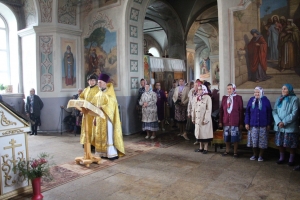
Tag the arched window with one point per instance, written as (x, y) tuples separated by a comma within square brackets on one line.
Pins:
[(154, 52), (4, 52), (9, 48)]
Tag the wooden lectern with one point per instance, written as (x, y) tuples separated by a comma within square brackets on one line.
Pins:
[(87, 109)]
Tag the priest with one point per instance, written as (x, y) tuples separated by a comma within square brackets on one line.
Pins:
[(107, 133)]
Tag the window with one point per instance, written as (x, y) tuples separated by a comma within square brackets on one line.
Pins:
[(4, 52), (154, 52), (9, 48)]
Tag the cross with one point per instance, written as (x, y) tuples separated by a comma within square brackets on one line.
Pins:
[(13, 146)]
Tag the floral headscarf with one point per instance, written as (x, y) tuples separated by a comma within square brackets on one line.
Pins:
[(261, 94), (230, 98), (282, 97), (204, 92)]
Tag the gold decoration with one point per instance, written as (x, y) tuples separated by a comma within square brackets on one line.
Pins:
[(11, 132), (5, 121), (6, 168)]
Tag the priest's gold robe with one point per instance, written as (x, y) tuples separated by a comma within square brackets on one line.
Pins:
[(87, 94), (107, 101)]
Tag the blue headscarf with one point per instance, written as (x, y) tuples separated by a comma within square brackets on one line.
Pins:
[(282, 97)]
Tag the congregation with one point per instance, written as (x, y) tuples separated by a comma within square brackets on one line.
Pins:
[(191, 109)]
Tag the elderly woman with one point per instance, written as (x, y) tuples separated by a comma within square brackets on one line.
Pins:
[(181, 100), (285, 114), (149, 111), (258, 119), (231, 118), (201, 117)]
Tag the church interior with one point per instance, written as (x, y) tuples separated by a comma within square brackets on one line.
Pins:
[(53, 46)]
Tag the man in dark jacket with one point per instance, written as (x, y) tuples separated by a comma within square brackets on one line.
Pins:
[(33, 109)]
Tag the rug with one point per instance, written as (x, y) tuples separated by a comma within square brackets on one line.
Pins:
[(65, 173)]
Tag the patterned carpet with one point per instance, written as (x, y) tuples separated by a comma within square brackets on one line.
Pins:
[(70, 171)]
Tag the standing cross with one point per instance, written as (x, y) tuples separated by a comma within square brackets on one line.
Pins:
[(13, 146)]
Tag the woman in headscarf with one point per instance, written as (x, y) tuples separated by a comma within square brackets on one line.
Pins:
[(201, 117), (181, 100), (285, 114), (231, 118), (149, 111), (258, 119)]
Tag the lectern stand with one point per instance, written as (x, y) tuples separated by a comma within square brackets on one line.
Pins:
[(87, 109)]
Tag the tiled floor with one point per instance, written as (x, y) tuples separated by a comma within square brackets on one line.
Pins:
[(176, 172)]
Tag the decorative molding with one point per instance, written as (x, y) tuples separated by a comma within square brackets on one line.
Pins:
[(87, 7), (5, 121), (134, 65), (12, 132), (99, 20), (133, 48), (134, 14), (133, 31), (29, 12), (134, 82), (46, 10), (138, 1), (46, 63), (67, 12)]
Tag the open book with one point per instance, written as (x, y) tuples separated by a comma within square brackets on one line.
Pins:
[(92, 110)]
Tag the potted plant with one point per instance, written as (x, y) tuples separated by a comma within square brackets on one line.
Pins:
[(34, 169), (2, 87)]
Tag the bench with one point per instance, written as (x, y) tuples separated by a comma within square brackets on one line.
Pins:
[(218, 140)]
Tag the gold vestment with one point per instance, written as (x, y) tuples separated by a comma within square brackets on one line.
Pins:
[(107, 101), (87, 94)]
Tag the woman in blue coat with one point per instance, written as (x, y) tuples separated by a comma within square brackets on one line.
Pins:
[(285, 115), (258, 119)]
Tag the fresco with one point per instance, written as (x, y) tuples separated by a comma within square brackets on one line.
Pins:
[(100, 53), (146, 68), (68, 50), (267, 47), (204, 65)]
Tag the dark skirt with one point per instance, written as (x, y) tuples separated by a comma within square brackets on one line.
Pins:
[(150, 126), (180, 113), (205, 140)]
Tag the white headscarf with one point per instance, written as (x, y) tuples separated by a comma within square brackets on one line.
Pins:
[(204, 91), (261, 94), (230, 99)]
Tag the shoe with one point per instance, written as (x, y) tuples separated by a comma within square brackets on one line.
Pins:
[(205, 152), (31, 134), (260, 159), (225, 153), (291, 164), (35, 134), (279, 162), (163, 129), (185, 137), (297, 168), (147, 137), (195, 143), (179, 134), (199, 150), (152, 137), (235, 155), (253, 158)]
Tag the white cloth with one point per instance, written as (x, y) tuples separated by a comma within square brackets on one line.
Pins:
[(166, 64), (230, 99), (111, 149)]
